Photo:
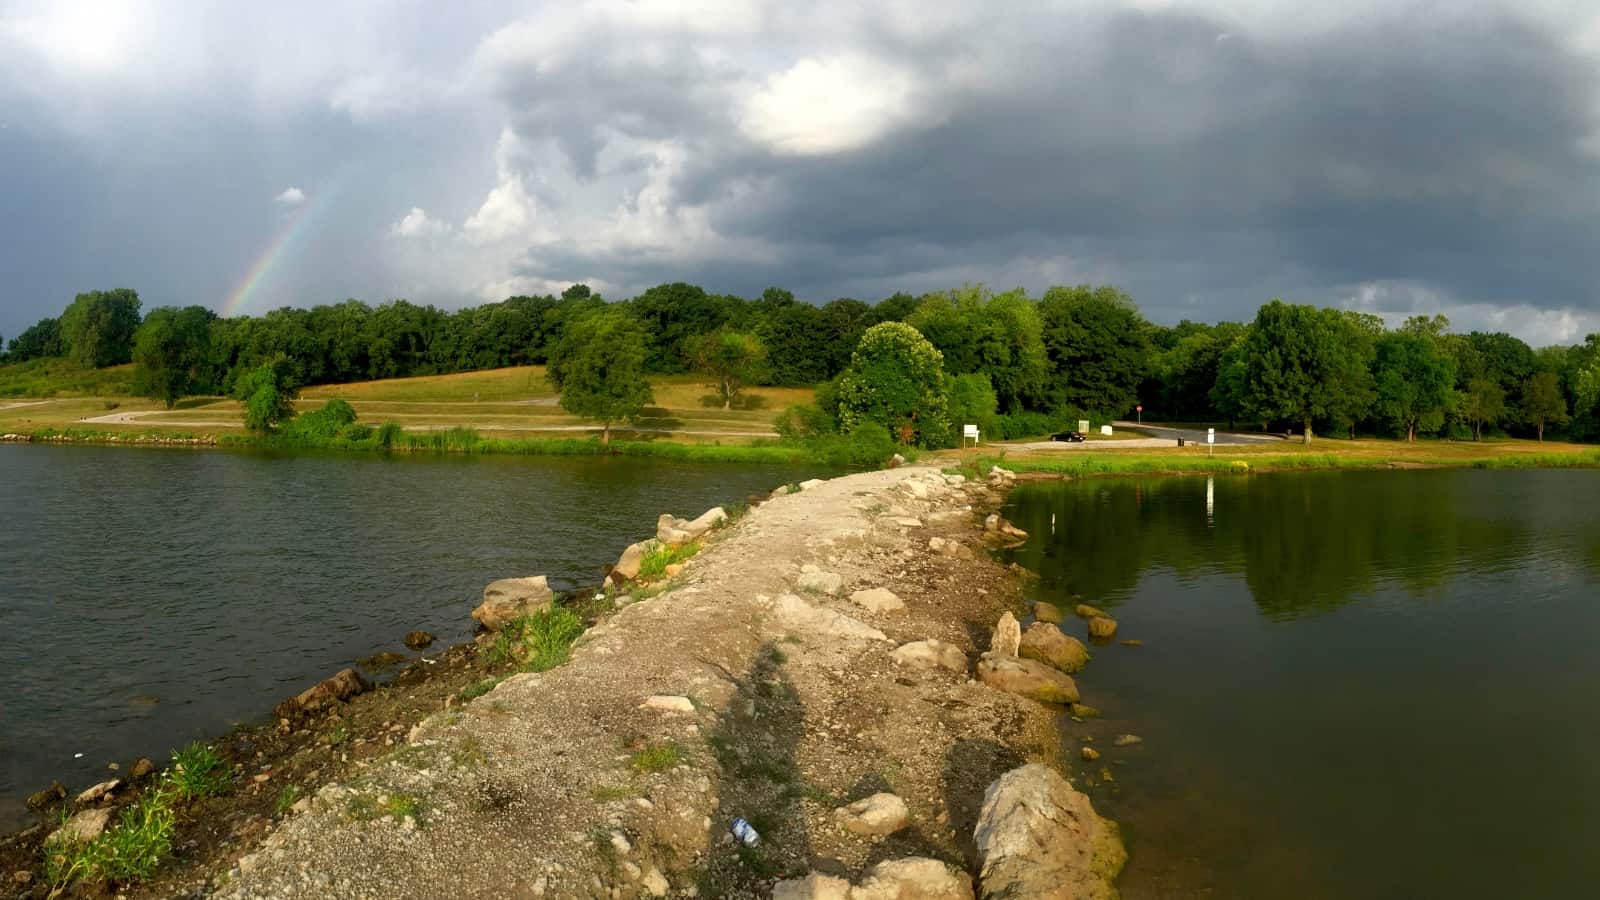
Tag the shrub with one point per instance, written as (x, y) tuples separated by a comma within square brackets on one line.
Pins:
[(129, 850), (198, 770), (537, 642)]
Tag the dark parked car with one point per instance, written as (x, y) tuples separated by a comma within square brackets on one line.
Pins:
[(1071, 437)]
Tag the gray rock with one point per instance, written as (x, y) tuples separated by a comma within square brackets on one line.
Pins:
[(815, 886), (914, 878), (795, 613), (931, 654), (343, 685), (1047, 644), (1047, 612), (627, 567), (1007, 638), (1037, 838), (419, 640), (817, 582), (674, 531), (83, 827), (1102, 627), (98, 792), (882, 813), (878, 600), (510, 598), (947, 547), (1026, 678)]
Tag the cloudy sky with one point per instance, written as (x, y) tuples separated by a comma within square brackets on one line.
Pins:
[(1206, 155)]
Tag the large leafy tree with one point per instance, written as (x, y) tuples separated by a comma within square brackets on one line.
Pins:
[(599, 369), (731, 359), (896, 378), (997, 335), (1483, 403), (797, 345), (1186, 372), (1303, 365), (1097, 345), (267, 392), (98, 327), (170, 351), (1415, 382), (672, 314), (1543, 403), (43, 339)]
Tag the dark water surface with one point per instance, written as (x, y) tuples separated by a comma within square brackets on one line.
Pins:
[(1353, 685), (149, 597)]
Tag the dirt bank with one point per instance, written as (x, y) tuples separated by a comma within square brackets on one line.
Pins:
[(753, 687)]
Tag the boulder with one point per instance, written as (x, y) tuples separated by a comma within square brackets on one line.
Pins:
[(1085, 611), (796, 614), (947, 547), (1127, 740), (141, 768), (895, 461), (814, 581), (882, 813), (1047, 644), (56, 792), (1047, 612), (1026, 678), (668, 703), (1089, 754), (1102, 627), (342, 686), (510, 598), (674, 531), (419, 640), (810, 483), (1083, 711), (627, 567), (673, 570), (83, 827), (1038, 838), (1007, 636), (878, 600), (915, 878), (815, 886), (99, 792), (996, 524), (931, 654)]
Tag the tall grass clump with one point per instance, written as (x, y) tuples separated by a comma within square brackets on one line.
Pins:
[(198, 770), (655, 563), (537, 642)]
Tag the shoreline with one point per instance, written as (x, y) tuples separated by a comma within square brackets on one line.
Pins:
[(795, 685)]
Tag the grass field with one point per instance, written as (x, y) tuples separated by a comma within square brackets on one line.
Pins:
[(513, 403)]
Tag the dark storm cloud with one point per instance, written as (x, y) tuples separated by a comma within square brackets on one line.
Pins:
[(1188, 156)]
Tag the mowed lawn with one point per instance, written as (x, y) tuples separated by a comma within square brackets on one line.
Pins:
[(517, 400)]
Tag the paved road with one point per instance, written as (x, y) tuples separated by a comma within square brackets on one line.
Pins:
[(1160, 436)]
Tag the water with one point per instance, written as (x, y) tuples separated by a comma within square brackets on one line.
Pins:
[(151, 597), (1375, 685)]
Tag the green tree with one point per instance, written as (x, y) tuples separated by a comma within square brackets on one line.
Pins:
[(996, 335), (674, 313), (1303, 364), (169, 352), (1098, 348), (1483, 404), (1415, 382), (599, 369), (896, 378), (267, 392), (98, 327), (43, 339), (732, 359), (1543, 403), (972, 402)]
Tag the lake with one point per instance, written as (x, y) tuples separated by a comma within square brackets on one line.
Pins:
[(1351, 685), (151, 597)]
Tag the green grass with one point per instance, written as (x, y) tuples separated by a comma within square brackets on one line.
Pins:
[(60, 378), (655, 563), (198, 771), (368, 807), (130, 850), (656, 758), (478, 688), (535, 643), (1080, 464), (287, 797)]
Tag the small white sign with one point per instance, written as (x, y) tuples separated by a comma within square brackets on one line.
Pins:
[(1211, 435), (1105, 430), (1083, 426)]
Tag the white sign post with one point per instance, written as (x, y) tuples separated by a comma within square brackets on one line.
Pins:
[(969, 431), (1083, 426), (1211, 439), (1105, 430)]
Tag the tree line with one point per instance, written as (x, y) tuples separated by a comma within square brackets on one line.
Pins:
[(1012, 363)]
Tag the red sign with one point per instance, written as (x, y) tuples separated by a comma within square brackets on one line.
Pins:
[(1139, 408)]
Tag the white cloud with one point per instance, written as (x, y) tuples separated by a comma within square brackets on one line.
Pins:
[(291, 196), (828, 105), (417, 224)]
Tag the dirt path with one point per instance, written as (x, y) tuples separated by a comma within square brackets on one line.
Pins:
[(23, 403), (566, 784)]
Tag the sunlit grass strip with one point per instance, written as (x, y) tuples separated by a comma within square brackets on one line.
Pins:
[(1083, 464)]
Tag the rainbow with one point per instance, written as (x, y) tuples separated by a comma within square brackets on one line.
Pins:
[(293, 228)]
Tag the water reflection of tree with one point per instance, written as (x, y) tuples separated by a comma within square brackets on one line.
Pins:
[(1305, 543)]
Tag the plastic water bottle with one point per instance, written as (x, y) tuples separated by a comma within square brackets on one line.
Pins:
[(745, 833)]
